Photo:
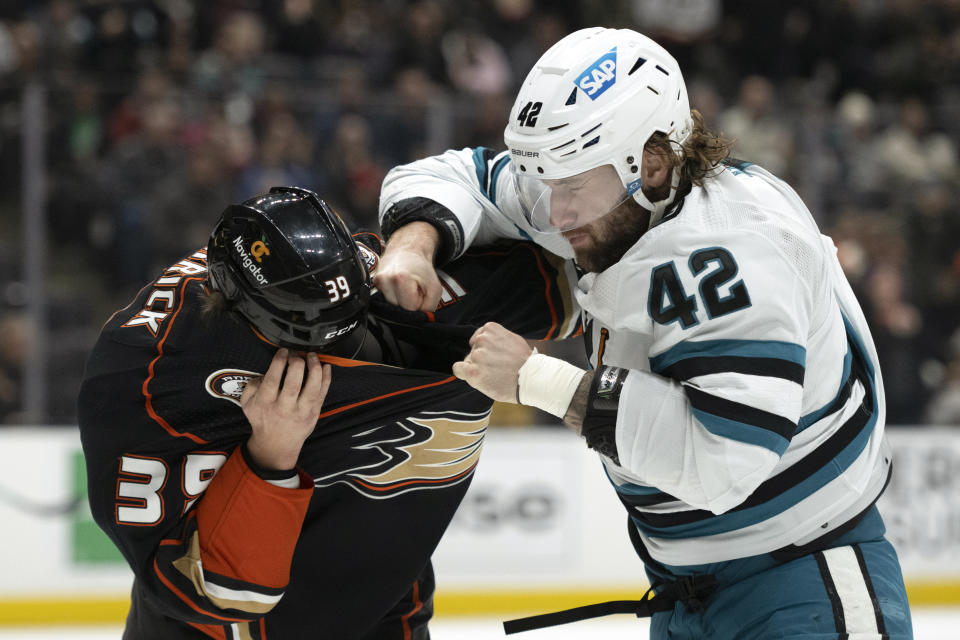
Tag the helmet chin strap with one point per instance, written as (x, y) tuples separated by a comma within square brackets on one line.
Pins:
[(657, 208)]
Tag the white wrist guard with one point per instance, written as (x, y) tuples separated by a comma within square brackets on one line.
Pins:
[(548, 383)]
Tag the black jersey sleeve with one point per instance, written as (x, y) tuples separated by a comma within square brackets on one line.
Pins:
[(519, 285), (516, 284)]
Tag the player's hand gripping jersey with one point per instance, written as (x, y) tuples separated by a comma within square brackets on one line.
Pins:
[(220, 552), (751, 412)]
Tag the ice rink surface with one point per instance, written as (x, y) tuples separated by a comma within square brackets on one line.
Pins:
[(928, 624)]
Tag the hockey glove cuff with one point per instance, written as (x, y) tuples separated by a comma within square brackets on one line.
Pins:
[(452, 242), (600, 420)]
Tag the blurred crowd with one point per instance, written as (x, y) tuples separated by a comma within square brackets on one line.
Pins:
[(158, 113)]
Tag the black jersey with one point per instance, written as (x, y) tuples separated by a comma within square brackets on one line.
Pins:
[(217, 550)]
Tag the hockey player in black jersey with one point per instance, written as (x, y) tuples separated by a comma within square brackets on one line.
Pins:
[(306, 502)]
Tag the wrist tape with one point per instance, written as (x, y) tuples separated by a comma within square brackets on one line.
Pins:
[(548, 383)]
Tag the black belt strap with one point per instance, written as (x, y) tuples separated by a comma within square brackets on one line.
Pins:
[(690, 589)]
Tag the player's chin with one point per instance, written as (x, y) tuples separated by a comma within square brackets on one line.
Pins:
[(599, 256), (587, 260)]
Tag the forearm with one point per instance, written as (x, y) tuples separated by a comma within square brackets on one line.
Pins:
[(425, 227), (468, 195), (417, 236)]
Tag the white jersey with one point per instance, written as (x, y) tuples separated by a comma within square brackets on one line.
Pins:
[(752, 417)]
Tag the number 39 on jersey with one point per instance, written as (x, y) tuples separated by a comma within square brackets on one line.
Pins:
[(718, 293)]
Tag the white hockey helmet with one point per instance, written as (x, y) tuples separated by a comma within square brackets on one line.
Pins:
[(580, 122)]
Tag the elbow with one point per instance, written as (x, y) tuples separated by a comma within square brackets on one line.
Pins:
[(738, 485)]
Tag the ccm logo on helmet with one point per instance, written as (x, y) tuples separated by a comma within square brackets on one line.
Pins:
[(341, 331), (247, 260), (599, 76)]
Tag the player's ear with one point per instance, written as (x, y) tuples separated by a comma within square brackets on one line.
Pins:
[(655, 168)]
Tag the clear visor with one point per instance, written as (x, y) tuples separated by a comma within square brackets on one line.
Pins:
[(553, 206)]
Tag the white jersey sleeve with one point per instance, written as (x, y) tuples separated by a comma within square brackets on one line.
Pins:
[(476, 186)]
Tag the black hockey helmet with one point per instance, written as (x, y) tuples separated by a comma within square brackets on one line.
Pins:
[(286, 262)]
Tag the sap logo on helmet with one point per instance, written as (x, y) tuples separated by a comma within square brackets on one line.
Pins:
[(599, 76)]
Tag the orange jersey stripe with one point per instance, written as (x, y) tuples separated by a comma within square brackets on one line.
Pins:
[(173, 589), (417, 605), (390, 487), (386, 395), (151, 367), (604, 334), (210, 630)]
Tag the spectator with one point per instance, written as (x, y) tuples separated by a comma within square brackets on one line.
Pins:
[(872, 83), (476, 64), (14, 338), (354, 173), (173, 222), (855, 144), (132, 173), (419, 40), (233, 64), (283, 157), (912, 151), (299, 31), (944, 407), (762, 136)]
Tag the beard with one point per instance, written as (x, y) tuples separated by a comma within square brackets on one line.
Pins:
[(611, 236)]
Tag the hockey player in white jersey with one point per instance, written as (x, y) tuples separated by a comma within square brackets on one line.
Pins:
[(734, 397)]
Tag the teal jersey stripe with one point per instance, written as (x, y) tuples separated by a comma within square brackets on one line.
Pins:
[(739, 519), (742, 432), (635, 489), (734, 520), (858, 344), (629, 488), (498, 166), (811, 418), (741, 348), (480, 164)]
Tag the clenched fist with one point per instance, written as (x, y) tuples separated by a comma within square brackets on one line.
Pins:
[(493, 364), (406, 275)]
